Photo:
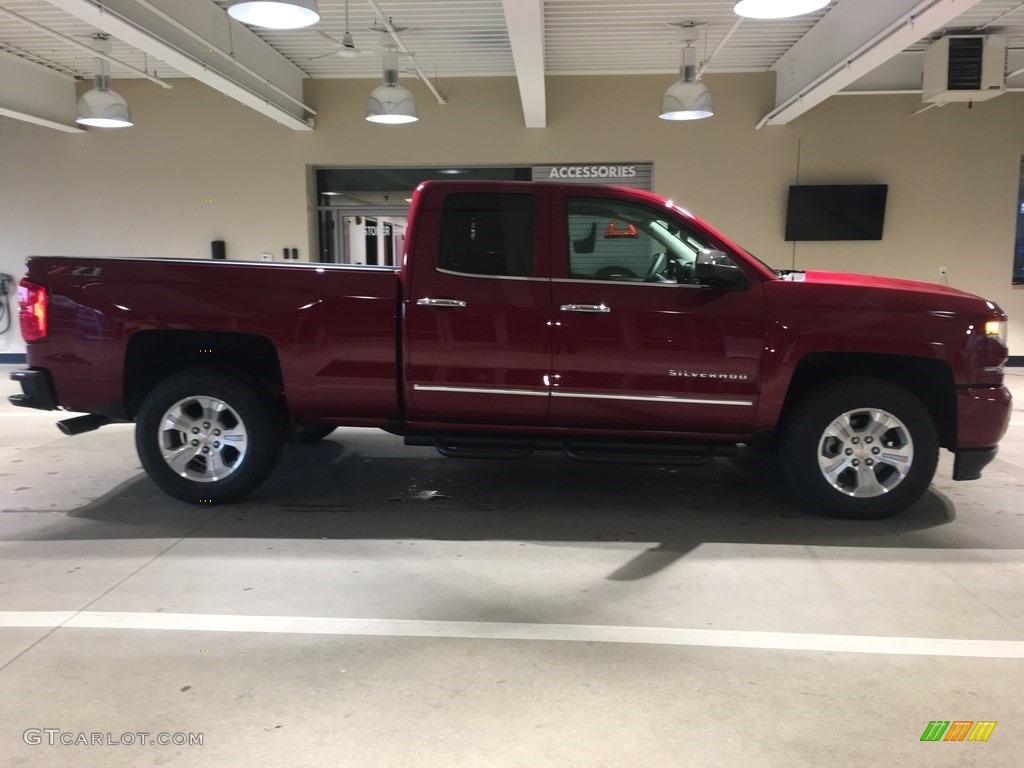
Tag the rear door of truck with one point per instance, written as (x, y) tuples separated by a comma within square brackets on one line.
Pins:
[(477, 299)]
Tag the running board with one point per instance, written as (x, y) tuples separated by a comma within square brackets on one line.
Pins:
[(646, 453), (589, 451), (476, 447)]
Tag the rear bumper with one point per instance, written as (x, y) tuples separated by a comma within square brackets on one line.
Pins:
[(37, 389)]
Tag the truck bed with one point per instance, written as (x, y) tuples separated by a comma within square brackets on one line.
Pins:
[(331, 328)]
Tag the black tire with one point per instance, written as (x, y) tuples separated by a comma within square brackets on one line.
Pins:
[(312, 433), (232, 466), (860, 448)]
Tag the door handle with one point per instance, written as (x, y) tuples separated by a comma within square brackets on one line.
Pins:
[(441, 303), (586, 308)]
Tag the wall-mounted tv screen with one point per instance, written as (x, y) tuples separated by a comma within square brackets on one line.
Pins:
[(836, 212)]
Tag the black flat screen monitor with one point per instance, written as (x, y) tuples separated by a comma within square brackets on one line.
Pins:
[(836, 212)]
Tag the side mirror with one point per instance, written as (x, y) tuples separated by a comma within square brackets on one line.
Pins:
[(716, 270)]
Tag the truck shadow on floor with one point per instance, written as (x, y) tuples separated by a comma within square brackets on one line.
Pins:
[(374, 489)]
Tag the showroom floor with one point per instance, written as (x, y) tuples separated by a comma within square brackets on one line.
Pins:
[(375, 605)]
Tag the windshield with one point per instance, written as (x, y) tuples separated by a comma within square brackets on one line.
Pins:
[(730, 244), (766, 266)]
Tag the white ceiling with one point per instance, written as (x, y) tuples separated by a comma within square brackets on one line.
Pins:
[(460, 38), (477, 38)]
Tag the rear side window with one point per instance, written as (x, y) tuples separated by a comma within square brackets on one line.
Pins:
[(487, 234)]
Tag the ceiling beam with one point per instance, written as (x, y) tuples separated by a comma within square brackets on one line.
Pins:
[(197, 38), (904, 73), (850, 41), (34, 94), (525, 21)]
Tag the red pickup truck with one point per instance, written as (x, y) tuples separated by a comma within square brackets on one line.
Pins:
[(604, 322)]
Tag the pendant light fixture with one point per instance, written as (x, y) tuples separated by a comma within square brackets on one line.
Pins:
[(777, 9), (275, 14), (102, 107), (687, 98), (390, 103)]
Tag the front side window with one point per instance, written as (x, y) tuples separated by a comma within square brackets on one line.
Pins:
[(487, 234), (613, 240)]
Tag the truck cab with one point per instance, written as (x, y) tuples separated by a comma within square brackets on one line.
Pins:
[(583, 308)]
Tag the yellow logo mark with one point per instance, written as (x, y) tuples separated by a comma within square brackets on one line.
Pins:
[(982, 730)]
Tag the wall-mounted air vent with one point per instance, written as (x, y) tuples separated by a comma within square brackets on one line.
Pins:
[(964, 68)]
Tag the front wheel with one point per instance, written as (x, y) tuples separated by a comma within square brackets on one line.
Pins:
[(206, 437), (860, 448)]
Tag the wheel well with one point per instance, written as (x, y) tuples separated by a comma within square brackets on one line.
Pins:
[(931, 381), (154, 355)]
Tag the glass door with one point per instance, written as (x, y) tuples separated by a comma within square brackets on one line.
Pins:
[(362, 237)]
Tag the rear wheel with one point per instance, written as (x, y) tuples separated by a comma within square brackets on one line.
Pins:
[(860, 448), (206, 437)]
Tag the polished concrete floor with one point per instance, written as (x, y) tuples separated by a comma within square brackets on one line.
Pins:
[(375, 605)]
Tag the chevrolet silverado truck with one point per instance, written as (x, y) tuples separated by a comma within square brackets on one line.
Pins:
[(604, 322)]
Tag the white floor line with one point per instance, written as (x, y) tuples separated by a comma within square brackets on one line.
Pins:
[(715, 638)]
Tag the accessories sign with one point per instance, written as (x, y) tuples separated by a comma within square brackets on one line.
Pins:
[(635, 175)]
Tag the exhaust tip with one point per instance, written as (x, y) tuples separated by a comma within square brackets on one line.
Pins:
[(80, 424)]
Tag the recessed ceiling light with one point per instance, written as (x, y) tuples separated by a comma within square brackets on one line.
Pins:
[(275, 14), (451, 171), (777, 9)]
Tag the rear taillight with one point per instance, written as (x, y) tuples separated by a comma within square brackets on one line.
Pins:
[(33, 308)]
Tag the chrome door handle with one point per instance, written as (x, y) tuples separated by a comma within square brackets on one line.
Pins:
[(441, 303), (586, 308)]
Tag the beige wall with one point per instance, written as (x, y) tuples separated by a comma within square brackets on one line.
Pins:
[(198, 166)]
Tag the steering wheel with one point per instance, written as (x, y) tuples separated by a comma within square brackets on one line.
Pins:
[(613, 272), (684, 271), (657, 265)]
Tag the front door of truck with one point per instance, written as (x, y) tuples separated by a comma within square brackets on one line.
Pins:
[(478, 308), (640, 342)]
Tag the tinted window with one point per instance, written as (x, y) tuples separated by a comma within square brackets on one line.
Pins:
[(487, 234), (615, 240)]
